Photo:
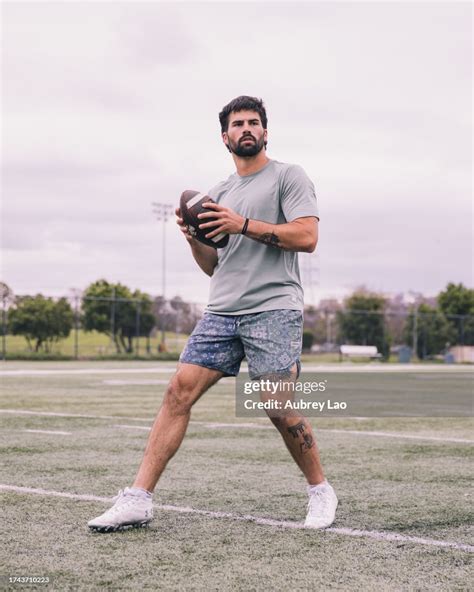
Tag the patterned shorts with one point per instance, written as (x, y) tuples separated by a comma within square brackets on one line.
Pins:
[(271, 341)]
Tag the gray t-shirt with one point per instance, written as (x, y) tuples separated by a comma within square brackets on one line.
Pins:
[(251, 276)]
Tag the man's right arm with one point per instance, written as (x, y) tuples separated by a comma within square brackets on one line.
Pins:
[(205, 257)]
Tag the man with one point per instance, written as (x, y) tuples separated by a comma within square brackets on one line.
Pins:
[(255, 310)]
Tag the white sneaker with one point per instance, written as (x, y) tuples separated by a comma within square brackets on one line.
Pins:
[(130, 510), (322, 506)]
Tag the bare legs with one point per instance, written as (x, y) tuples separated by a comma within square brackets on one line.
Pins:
[(169, 427)]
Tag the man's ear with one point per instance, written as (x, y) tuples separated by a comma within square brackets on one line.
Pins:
[(225, 139)]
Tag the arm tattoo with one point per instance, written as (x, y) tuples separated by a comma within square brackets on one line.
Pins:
[(270, 239)]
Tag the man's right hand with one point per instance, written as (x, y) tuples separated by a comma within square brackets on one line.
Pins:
[(182, 226), (205, 256)]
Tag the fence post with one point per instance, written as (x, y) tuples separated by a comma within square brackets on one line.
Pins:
[(415, 332), (328, 327), (137, 328), (76, 327), (4, 328), (112, 320)]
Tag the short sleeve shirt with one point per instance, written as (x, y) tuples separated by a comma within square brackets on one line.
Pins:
[(250, 276)]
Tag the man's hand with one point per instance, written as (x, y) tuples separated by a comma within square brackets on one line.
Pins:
[(205, 257), (227, 220), (182, 226)]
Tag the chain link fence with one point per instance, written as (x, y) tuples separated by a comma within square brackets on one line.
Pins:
[(103, 327)]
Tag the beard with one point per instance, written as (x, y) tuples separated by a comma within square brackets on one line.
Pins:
[(249, 149)]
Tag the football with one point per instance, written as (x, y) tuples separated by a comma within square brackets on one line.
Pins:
[(191, 205)]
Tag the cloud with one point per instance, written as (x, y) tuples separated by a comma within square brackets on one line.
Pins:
[(110, 106)]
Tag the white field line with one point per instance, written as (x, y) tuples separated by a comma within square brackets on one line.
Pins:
[(398, 435), (352, 432), (86, 371), (56, 432), (379, 368), (239, 425), (131, 427), (354, 532), (78, 415), (136, 382), (204, 424), (330, 368)]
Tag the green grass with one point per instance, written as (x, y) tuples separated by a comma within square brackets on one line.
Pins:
[(413, 487), (92, 343)]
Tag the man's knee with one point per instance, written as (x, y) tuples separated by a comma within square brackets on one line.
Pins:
[(180, 395)]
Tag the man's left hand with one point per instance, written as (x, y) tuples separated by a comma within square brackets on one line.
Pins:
[(226, 220)]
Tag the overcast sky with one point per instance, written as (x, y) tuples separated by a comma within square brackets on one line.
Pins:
[(108, 107)]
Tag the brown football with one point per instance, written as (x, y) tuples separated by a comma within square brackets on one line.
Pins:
[(191, 205)]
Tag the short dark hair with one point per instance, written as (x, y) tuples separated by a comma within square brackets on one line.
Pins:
[(242, 103)]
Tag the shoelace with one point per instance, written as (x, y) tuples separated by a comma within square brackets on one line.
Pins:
[(124, 498), (317, 499)]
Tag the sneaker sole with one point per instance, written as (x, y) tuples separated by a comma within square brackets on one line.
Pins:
[(104, 529)]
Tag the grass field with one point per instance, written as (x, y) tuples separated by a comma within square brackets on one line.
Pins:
[(230, 505)]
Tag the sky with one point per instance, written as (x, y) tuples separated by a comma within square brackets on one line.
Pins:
[(108, 107)]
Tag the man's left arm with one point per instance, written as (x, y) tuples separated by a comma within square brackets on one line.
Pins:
[(299, 235)]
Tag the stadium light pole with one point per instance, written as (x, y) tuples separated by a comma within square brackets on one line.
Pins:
[(163, 211), (76, 296)]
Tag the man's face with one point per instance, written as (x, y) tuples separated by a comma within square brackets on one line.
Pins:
[(245, 135)]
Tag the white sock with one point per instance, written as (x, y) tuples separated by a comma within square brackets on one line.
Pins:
[(139, 492), (313, 488)]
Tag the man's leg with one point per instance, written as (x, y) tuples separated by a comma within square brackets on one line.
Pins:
[(299, 439), (273, 339), (297, 434), (133, 507), (168, 430)]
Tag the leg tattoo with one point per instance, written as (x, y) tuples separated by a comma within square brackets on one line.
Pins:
[(299, 430), (296, 429), (307, 444)]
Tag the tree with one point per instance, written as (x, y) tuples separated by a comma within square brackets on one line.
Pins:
[(41, 320), (308, 339), (7, 298), (139, 316), (362, 322), (315, 324), (114, 310), (396, 312), (434, 332), (458, 300), (6, 293), (186, 315), (176, 314)]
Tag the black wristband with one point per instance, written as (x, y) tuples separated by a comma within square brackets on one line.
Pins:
[(244, 229)]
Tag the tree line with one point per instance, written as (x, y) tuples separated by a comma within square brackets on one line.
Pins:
[(432, 325), (108, 308), (364, 318)]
